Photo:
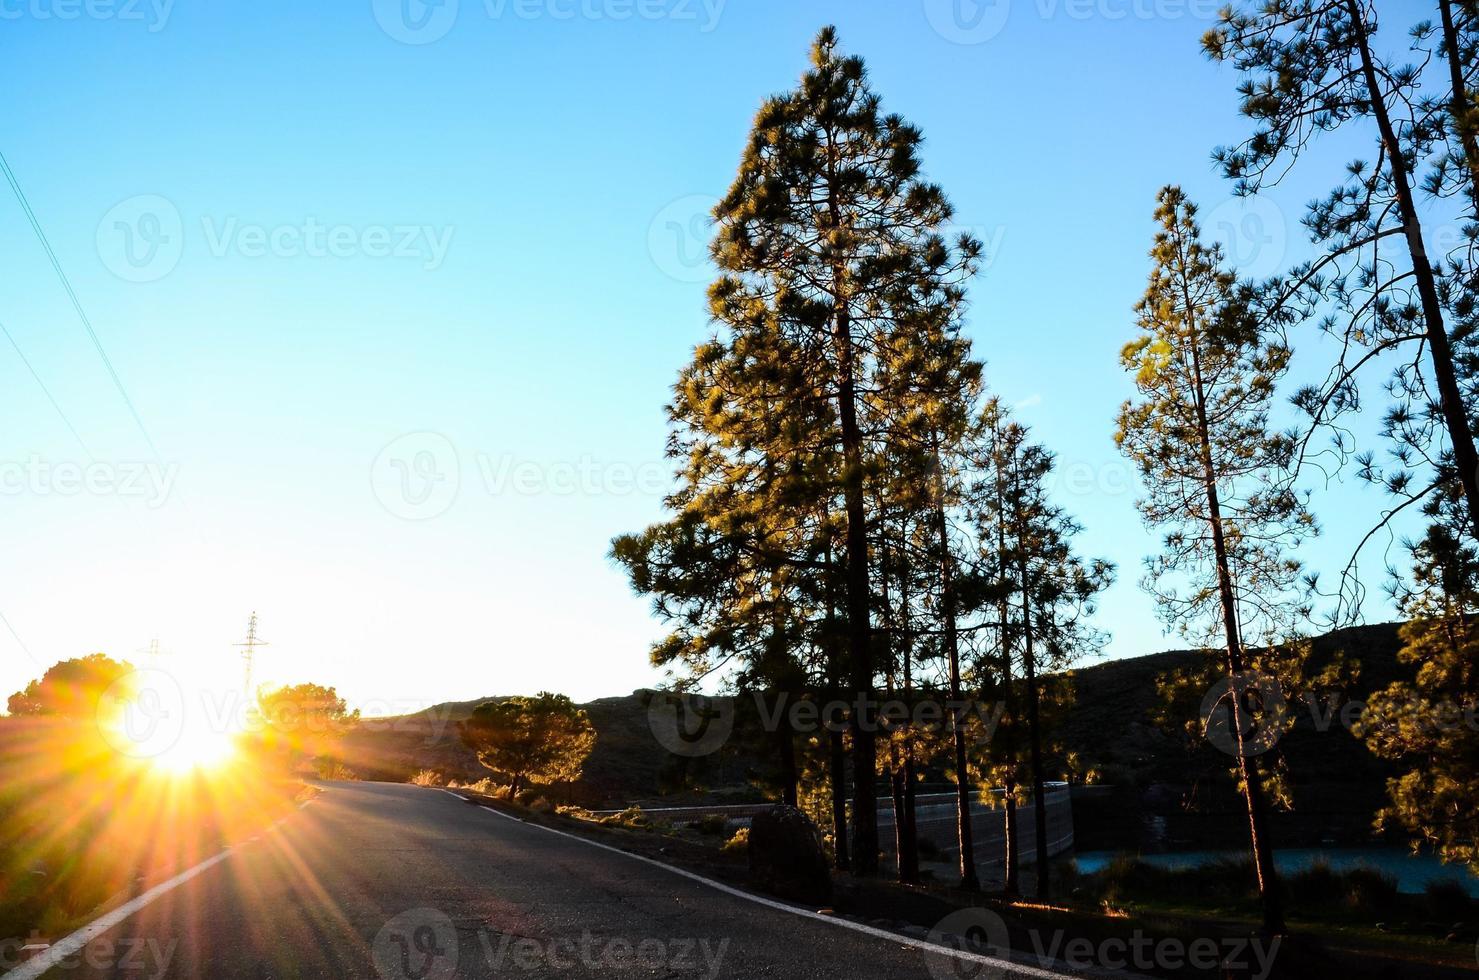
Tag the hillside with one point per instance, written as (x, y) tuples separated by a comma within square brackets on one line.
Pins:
[(1156, 787)]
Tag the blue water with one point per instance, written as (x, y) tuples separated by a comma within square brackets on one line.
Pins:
[(1412, 871)]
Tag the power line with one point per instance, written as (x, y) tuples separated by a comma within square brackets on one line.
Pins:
[(46, 391), (249, 651), (92, 334), (19, 642)]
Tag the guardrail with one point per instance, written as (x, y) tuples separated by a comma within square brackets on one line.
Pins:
[(934, 818)]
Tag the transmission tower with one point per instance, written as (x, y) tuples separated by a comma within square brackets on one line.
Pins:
[(248, 652)]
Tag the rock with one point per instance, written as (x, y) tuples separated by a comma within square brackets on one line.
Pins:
[(917, 932), (1452, 937), (786, 856)]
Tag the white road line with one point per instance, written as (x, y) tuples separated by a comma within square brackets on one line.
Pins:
[(74, 943), (999, 963)]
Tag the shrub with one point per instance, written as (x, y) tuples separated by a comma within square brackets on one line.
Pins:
[(1316, 886), (713, 824), (632, 817), (739, 843), (1370, 891), (427, 777), (1448, 899)]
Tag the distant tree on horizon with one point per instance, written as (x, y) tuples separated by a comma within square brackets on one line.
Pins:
[(72, 689), (544, 739)]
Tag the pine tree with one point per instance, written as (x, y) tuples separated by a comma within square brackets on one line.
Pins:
[(1205, 364), (1310, 66), (826, 230), (1427, 723), (1046, 591)]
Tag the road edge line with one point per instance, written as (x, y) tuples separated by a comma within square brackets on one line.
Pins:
[(77, 941), (925, 946)]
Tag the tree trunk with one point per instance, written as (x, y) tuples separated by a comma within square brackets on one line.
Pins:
[(1450, 398), (900, 767), (1458, 102), (909, 849), (965, 839), (787, 744), (836, 756), (839, 799), (1012, 886), (1263, 862), (1034, 729), (1039, 793)]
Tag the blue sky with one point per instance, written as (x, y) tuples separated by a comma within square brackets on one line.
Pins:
[(328, 264)]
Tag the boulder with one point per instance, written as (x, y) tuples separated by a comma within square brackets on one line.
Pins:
[(786, 856)]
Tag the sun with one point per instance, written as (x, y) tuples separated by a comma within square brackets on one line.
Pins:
[(171, 725), (199, 747)]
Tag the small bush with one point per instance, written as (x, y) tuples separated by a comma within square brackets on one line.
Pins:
[(1448, 900), (1316, 886), (427, 777), (1128, 879), (739, 843), (1370, 891), (632, 817), (332, 770), (711, 825), (483, 787)]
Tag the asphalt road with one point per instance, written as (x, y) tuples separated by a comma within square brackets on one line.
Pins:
[(391, 882)]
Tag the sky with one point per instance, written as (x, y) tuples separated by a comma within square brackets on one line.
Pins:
[(397, 292)]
